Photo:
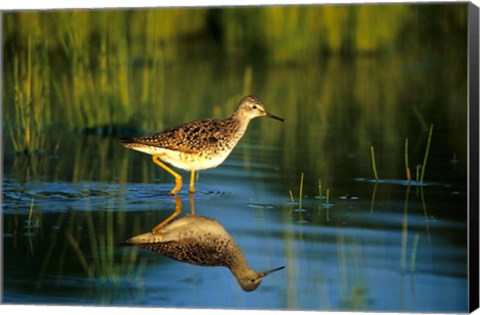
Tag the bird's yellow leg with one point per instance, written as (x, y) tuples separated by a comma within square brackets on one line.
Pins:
[(192, 182), (192, 205), (178, 177), (178, 210)]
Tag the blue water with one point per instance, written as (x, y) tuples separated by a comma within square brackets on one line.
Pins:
[(355, 254)]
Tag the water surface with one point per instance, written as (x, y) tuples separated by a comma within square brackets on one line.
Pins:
[(386, 245)]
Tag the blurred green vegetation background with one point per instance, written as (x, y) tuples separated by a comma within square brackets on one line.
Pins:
[(112, 69)]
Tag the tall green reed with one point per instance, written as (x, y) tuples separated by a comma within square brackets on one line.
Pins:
[(98, 85), (427, 150), (27, 121)]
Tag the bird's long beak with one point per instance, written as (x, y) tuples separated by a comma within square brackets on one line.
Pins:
[(264, 273), (275, 117)]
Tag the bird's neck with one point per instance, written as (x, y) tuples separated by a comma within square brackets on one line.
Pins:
[(240, 121), (236, 261), (239, 267)]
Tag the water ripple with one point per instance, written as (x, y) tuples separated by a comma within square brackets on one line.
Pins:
[(18, 197)]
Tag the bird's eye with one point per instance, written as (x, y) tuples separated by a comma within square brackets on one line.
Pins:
[(252, 280), (254, 107)]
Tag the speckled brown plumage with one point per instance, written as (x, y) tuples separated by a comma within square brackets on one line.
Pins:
[(201, 241), (210, 250), (200, 137)]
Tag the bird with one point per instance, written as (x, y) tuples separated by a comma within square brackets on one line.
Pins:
[(201, 241), (199, 144)]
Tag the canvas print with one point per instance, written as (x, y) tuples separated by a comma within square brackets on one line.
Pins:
[(297, 157)]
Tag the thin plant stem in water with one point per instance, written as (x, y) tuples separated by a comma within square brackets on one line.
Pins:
[(320, 189), (80, 255), (417, 175), (425, 214), (30, 225), (413, 255), (292, 200), (403, 253), (30, 213), (374, 193), (301, 193), (327, 200), (291, 196), (374, 167), (407, 168), (427, 150)]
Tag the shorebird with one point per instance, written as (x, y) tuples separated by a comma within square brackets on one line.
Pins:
[(199, 144), (201, 241)]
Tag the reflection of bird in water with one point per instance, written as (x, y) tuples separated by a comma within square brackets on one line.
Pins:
[(201, 241), (200, 144)]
